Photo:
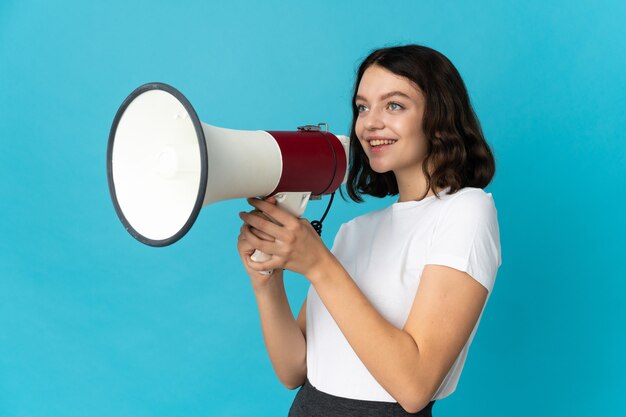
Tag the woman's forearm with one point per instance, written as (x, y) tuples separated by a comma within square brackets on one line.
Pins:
[(284, 341)]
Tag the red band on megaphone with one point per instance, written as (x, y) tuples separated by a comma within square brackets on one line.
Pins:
[(312, 161)]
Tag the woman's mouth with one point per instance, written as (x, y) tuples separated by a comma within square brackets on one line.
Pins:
[(380, 144)]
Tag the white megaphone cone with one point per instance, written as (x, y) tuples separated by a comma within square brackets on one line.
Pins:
[(164, 164)]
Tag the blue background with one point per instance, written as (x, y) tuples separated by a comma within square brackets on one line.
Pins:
[(92, 323)]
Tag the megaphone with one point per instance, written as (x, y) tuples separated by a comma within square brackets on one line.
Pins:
[(164, 164)]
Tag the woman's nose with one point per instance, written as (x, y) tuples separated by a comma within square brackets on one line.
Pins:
[(374, 121)]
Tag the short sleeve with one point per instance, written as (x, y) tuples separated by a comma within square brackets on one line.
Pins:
[(467, 237), (338, 239)]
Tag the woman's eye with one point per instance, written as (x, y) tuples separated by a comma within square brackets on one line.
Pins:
[(395, 106), (360, 108)]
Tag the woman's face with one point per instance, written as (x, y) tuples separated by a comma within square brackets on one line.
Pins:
[(389, 122)]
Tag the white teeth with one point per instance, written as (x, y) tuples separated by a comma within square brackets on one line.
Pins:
[(378, 142)]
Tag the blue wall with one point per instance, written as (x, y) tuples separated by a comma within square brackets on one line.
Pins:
[(92, 323)]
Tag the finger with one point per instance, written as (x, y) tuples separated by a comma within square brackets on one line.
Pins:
[(256, 243), (272, 210), (262, 224), (243, 244), (258, 232), (272, 264), (245, 248), (262, 235), (262, 214), (241, 236)]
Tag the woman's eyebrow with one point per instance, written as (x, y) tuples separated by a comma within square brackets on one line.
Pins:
[(385, 96)]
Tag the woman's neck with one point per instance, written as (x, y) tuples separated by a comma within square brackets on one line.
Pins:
[(412, 187)]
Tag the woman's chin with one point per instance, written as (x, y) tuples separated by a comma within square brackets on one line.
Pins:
[(379, 168)]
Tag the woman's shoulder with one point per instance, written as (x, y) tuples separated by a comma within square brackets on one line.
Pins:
[(469, 202), (469, 196)]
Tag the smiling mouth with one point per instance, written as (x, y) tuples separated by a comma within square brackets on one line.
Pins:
[(380, 142)]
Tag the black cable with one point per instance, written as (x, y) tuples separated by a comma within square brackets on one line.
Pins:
[(317, 224)]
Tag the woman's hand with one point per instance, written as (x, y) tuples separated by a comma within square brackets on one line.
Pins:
[(246, 249), (292, 242)]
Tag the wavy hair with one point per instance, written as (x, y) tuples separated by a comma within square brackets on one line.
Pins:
[(457, 152)]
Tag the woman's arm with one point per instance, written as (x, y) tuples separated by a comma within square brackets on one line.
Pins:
[(410, 363), (283, 336)]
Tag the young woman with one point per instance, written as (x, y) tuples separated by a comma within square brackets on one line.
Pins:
[(394, 306)]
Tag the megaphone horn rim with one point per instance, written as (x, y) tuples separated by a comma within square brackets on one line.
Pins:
[(193, 116)]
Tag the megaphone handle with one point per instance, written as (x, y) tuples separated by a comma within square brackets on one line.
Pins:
[(295, 204)]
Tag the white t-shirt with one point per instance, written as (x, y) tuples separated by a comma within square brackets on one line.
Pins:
[(385, 252)]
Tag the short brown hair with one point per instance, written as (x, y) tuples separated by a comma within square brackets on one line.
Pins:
[(458, 153)]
